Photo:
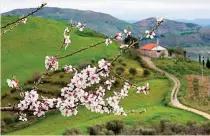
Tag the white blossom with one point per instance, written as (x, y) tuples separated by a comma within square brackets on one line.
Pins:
[(22, 117), (24, 20), (150, 34), (159, 20), (68, 69), (80, 26), (127, 32), (103, 64), (108, 41), (12, 83)]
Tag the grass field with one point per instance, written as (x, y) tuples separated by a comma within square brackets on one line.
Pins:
[(24, 51)]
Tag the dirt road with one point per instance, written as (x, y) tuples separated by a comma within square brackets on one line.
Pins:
[(174, 101)]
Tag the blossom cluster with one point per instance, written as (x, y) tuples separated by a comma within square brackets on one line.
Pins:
[(68, 69), (51, 63), (144, 89), (66, 34), (12, 83), (76, 93)]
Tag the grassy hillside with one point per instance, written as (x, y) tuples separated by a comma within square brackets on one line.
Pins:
[(24, 49), (23, 53)]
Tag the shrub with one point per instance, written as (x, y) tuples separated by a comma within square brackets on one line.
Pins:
[(92, 61), (97, 130), (113, 64), (61, 76), (133, 71), (73, 131), (10, 120), (146, 73), (36, 76), (149, 131), (116, 126), (120, 61), (120, 70), (123, 64), (4, 95), (116, 83)]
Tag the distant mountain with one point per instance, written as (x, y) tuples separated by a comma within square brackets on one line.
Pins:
[(202, 22), (171, 33), (99, 22)]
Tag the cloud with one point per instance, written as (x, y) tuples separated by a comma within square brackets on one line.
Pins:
[(125, 9)]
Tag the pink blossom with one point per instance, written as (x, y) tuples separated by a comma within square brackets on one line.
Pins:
[(119, 36), (127, 32), (51, 63)]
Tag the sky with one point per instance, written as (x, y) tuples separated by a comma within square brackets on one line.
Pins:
[(124, 9)]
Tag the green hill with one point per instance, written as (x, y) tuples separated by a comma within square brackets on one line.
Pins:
[(24, 49), (23, 53)]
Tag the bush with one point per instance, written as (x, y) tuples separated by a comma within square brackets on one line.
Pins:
[(133, 71), (116, 83), (4, 95), (146, 73), (61, 76), (92, 61), (10, 120), (36, 76), (116, 126), (97, 130), (120, 61), (13, 90), (124, 64), (73, 131), (120, 70)]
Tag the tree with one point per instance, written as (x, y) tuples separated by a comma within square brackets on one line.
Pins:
[(203, 62), (208, 63), (130, 39), (77, 92), (199, 59)]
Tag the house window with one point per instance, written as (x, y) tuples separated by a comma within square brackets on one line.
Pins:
[(158, 51)]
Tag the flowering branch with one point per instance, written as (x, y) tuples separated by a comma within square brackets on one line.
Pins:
[(24, 17), (77, 92)]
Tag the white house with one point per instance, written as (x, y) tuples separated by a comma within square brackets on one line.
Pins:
[(153, 50)]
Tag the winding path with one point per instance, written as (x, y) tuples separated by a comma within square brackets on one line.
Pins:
[(174, 100)]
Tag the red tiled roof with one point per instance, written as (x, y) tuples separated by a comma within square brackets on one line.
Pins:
[(148, 46)]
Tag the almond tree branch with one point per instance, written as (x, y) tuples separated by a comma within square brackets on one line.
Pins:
[(82, 49), (31, 13)]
